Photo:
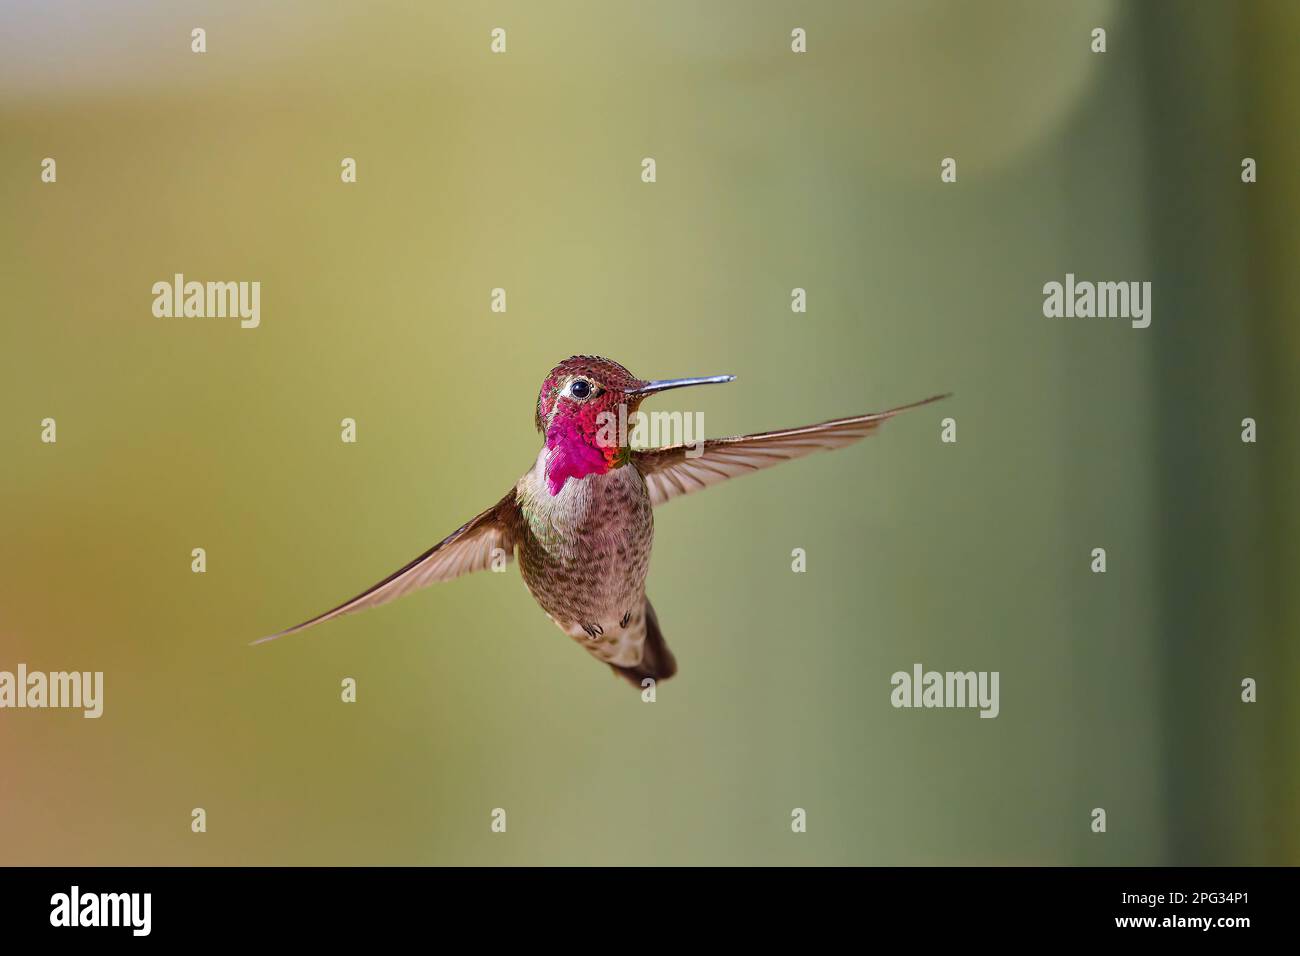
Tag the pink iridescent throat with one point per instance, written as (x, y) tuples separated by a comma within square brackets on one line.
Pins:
[(575, 452)]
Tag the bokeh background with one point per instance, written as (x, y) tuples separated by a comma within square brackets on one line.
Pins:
[(775, 170)]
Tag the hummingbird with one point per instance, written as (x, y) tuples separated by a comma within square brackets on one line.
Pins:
[(581, 519)]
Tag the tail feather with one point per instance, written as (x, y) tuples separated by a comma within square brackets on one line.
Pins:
[(657, 660)]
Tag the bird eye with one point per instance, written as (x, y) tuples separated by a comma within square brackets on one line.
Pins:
[(580, 389)]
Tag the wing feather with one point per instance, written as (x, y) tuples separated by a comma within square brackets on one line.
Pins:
[(469, 548), (681, 469)]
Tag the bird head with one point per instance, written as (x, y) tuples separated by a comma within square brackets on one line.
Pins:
[(584, 408)]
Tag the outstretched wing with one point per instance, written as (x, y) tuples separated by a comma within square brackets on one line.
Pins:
[(468, 548), (681, 469)]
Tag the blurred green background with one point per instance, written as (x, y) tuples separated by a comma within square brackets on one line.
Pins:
[(775, 170)]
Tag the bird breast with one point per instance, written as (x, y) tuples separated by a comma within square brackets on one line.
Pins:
[(585, 551)]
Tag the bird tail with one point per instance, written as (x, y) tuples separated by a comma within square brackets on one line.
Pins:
[(657, 660)]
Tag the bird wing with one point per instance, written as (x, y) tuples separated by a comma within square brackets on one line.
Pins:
[(469, 548), (681, 469)]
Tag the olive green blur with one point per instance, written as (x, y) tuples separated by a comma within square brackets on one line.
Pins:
[(775, 171)]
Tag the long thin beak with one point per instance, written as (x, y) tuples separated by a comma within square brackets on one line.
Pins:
[(662, 385)]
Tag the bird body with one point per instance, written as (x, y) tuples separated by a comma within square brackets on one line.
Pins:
[(582, 518), (584, 554)]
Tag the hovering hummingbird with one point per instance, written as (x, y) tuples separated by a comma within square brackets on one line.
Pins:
[(582, 518)]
